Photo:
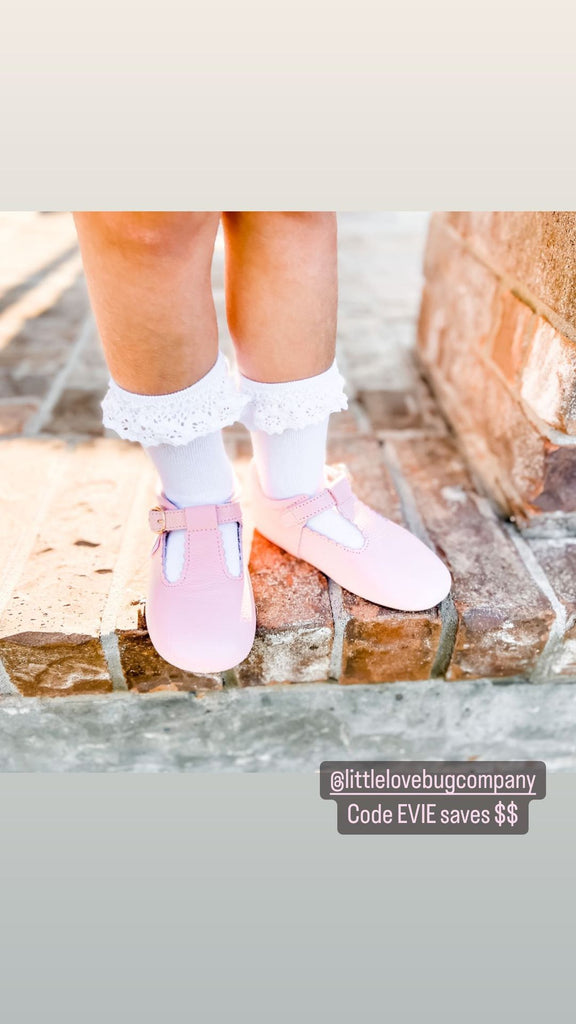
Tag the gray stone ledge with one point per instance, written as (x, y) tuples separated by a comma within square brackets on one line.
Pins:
[(290, 728)]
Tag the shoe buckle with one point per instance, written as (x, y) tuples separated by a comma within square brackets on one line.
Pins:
[(160, 526)]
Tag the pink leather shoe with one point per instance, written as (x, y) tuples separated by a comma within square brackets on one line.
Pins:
[(393, 568), (206, 620)]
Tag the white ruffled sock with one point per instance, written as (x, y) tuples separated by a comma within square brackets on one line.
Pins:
[(182, 433), (290, 459)]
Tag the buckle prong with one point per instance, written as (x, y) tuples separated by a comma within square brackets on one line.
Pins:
[(162, 511)]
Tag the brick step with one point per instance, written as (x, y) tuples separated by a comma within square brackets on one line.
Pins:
[(74, 547)]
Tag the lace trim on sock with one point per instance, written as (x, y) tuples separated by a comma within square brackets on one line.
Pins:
[(211, 403), (274, 408)]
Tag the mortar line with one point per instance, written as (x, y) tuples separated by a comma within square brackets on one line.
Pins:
[(42, 295), (6, 684), (108, 635), (362, 417), (447, 641), (551, 433), (512, 284), (448, 613), (406, 495), (340, 619), (558, 628), (38, 419), (111, 648)]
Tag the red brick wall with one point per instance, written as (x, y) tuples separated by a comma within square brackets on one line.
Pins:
[(497, 337)]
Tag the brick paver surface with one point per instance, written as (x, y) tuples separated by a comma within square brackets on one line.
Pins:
[(74, 541)]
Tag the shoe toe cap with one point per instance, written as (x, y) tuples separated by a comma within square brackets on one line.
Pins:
[(421, 577), (201, 636), (205, 655), (429, 587), (406, 573), (197, 651)]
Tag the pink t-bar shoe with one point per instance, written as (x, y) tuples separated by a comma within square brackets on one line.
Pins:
[(393, 568), (205, 621)]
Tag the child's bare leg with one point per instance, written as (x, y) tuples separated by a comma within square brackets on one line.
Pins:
[(281, 298), (148, 276), (281, 292)]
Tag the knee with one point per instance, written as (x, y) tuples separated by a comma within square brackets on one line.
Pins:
[(149, 235), (309, 237), (313, 235), (265, 223), (310, 223)]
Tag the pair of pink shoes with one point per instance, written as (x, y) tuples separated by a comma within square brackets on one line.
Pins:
[(206, 621)]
